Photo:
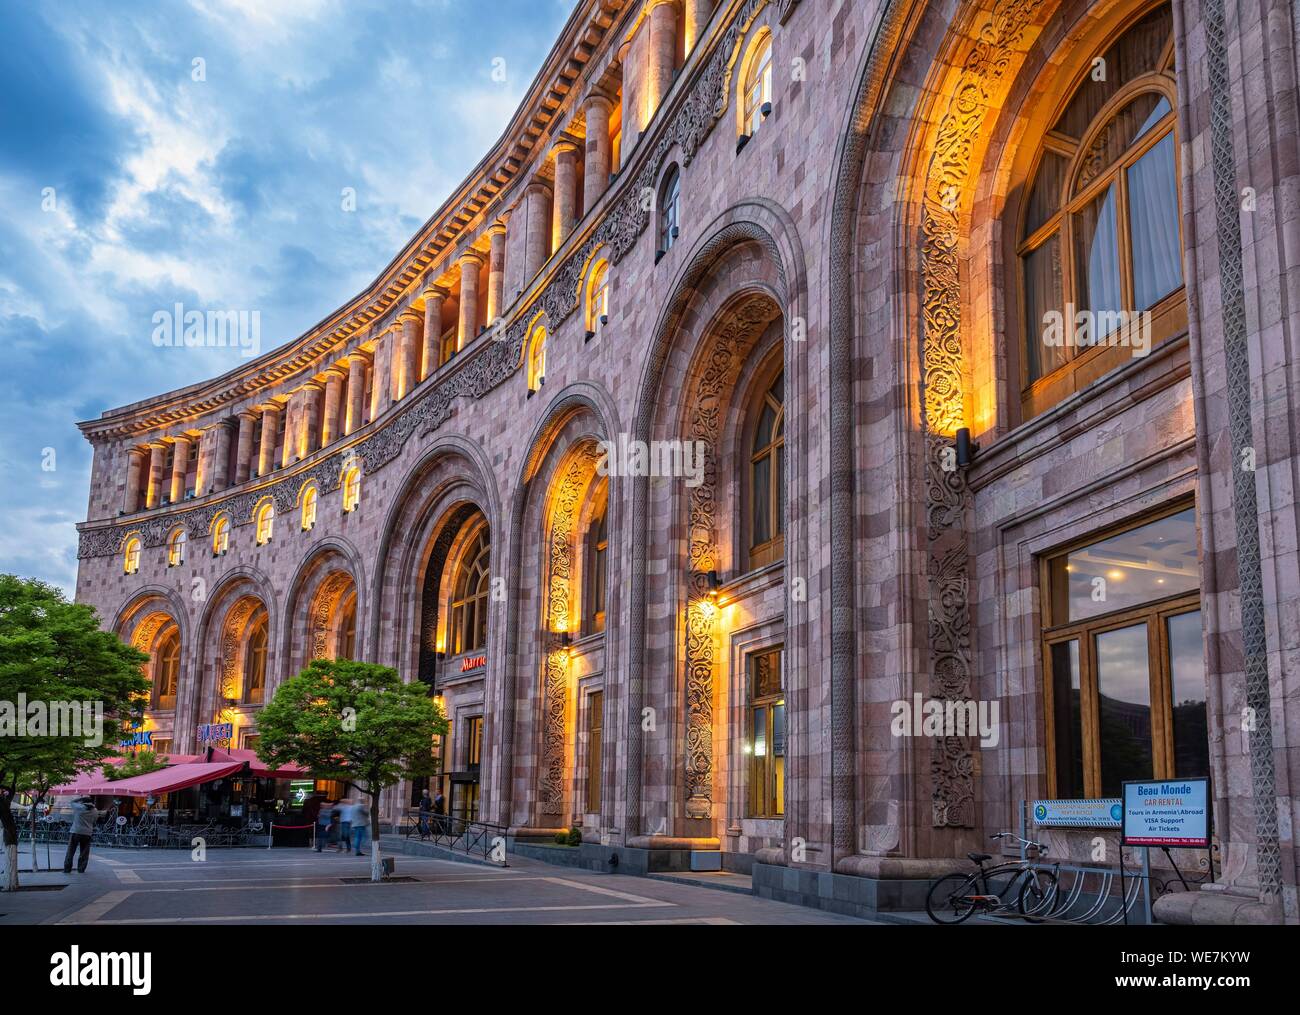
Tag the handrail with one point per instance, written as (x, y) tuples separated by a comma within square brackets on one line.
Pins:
[(461, 835)]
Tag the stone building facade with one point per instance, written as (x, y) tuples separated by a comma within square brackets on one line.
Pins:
[(866, 258)]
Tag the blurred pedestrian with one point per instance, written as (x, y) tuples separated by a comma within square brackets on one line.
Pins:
[(345, 825), (84, 816), (360, 825), (324, 823)]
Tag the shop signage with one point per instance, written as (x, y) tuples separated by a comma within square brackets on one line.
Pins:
[(141, 738), (1105, 813), (216, 733), (1170, 812), (300, 790), (472, 663)]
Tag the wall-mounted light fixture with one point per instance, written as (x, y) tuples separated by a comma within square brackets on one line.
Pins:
[(966, 448)]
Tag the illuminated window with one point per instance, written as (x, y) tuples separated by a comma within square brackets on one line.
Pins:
[(670, 202), (765, 734), (167, 669), (347, 644), (255, 659), (131, 556), (469, 604), (595, 738), (220, 536), (756, 88), (1100, 252), (352, 488), (309, 498), (264, 522), (598, 297), (1125, 689), (176, 548), (537, 358), (448, 346), (597, 570), (767, 478)]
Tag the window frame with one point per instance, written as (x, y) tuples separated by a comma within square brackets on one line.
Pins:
[(220, 535), (351, 487), (310, 502), (176, 547), (595, 750), (464, 604), (596, 578), (764, 802), (131, 553), (669, 208), (255, 658), (171, 633), (772, 549), (757, 75), (264, 523)]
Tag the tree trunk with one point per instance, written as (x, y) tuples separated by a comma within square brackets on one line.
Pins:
[(376, 862), (10, 828)]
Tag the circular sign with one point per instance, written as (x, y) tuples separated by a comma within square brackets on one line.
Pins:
[(121, 820)]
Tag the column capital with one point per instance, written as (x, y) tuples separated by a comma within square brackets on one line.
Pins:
[(334, 372), (410, 314), (536, 185), (497, 228), (361, 356), (248, 414), (597, 96), (433, 289), (564, 146), (139, 449), (311, 385), (470, 255)]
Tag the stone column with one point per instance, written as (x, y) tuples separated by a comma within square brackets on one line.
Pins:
[(408, 360), (469, 264), (134, 466), (180, 464), (244, 446), (309, 419), (537, 243), (292, 415), (270, 427), (631, 115), (329, 427), (434, 296), (496, 271), (599, 152), (697, 15), (220, 464), (157, 466), (357, 364), (381, 384), (661, 53), (564, 209)]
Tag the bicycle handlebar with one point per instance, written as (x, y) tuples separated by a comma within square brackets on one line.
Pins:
[(1030, 843)]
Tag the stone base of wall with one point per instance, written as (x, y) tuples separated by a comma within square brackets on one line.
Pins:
[(1214, 907), (847, 894)]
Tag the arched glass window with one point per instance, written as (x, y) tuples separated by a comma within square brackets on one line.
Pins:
[(131, 555), (347, 646), (767, 477), (597, 570), (176, 548), (309, 498), (1099, 251), (352, 488), (220, 536), (670, 204), (255, 659), (264, 523), (537, 358), (167, 668), (756, 88), (598, 297), (469, 602)]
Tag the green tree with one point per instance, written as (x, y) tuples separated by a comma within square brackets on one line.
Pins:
[(67, 692), (356, 722)]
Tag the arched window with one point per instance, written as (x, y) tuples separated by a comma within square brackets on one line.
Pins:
[(670, 206), (176, 548), (347, 644), (131, 555), (1099, 249), (756, 86), (598, 297), (352, 488), (255, 659), (264, 522), (167, 668), (469, 602), (597, 570), (767, 477), (220, 536), (537, 358), (309, 499)]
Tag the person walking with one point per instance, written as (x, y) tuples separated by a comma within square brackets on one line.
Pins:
[(439, 809), (324, 822), (426, 808), (360, 824), (84, 816), (345, 825)]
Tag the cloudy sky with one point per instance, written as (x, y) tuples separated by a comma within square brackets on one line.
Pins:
[(197, 151)]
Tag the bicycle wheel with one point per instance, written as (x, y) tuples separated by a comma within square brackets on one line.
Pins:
[(948, 902), (1037, 896)]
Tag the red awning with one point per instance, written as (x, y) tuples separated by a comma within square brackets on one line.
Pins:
[(258, 768), (167, 780)]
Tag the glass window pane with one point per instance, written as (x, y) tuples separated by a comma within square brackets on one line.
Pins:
[(1067, 721), (1043, 295), (778, 758), (760, 732), (1134, 567), (1123, 707), (1153, 225), (762, 504), (780, 490), (1187, 688), (1096, 259), (1045, 196), (1114, 139)]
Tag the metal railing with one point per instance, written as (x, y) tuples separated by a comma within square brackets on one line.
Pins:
[(473, 838)]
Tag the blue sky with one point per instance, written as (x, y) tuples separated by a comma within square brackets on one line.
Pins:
[(222, 193)]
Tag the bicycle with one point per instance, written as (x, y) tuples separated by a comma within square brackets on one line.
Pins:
[(956, 897)]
